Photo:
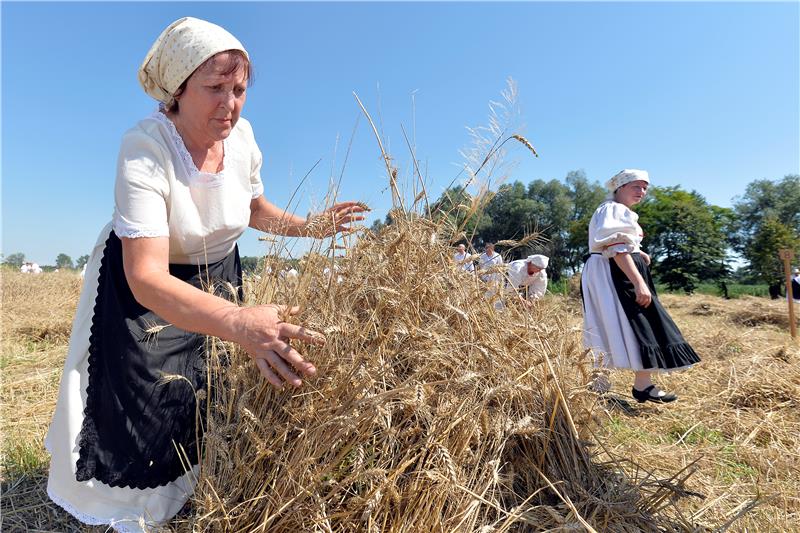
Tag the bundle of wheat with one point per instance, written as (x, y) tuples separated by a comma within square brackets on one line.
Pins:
[(431, 411)]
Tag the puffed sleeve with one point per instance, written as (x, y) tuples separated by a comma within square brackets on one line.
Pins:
[(141, 191), (255, 172), (614, 230), (256, 160)]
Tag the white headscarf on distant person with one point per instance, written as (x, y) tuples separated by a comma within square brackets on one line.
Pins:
[(539, 261), (185, 45)]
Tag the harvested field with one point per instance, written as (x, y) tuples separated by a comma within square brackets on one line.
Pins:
[(433, 413)]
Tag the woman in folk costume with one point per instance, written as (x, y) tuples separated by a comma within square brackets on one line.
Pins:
[(529, 274), (188, 184), (488, 264), (625, 325)]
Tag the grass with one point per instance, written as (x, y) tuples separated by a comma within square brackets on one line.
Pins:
[(735, 290)]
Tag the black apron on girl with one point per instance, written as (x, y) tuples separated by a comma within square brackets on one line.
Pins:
[(660, 341)]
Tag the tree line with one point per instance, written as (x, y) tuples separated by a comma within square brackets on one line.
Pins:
[(63, 261), (689, 240)]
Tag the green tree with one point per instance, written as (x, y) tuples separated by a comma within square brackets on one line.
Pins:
[(762, 249), (508, 215), (685, 237), (15, 260), (553, 209), (586, 197), (64, 261), (82, 260), (458, 210), (249, 263), (768, 218)]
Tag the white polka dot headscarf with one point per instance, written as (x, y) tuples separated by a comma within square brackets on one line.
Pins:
[(626, 176), (178, 51)]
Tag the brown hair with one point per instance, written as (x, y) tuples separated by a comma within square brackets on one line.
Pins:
[(236, 60)]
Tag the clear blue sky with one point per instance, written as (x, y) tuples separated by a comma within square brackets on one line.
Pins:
[(703, 95)]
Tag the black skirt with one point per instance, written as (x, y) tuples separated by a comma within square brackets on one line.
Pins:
[(660, 341), (141, 420)]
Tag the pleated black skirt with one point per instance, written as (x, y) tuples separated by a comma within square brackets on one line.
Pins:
[(661, 343)]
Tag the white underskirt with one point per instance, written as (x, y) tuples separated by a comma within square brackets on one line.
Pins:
[(126, 510), (606, 329)]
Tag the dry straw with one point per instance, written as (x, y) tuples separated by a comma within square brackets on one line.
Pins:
[(431, 412)]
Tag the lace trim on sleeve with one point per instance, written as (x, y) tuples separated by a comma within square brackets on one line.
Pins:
[(258, 190), (125, 229)]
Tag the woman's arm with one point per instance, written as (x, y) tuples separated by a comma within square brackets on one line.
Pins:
[(269, 218), (625, 263), (260, 330)]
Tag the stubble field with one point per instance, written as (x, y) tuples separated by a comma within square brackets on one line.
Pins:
[(735, 431)]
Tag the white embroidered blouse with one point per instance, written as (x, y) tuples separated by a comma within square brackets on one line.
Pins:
[(614, 229), (159, 191)]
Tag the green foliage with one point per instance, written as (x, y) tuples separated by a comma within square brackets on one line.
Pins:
[(509, 213), (586, 197), (82, 260), (64, 261), (559, 210), (762, 249), (767, 219), (15, 260), (685, 237), (458, 210), (249, 263), (688, 238)]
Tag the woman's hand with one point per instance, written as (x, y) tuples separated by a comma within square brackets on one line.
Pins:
[(261, 331), (646, 258), (335, 219), (643, 296)]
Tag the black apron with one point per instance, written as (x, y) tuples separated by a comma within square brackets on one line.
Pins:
[(660, 341), (141, 418)]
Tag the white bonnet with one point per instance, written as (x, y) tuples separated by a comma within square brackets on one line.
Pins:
[(626, 176), (539, 261), (182, 47)]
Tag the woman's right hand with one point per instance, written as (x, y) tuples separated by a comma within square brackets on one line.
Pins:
[(643, 296), (262, 332)]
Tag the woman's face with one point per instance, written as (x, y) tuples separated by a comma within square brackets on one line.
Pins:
[(212, 101), (631, 193), (533, 269)]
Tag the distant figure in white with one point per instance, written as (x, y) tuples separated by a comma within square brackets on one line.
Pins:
[(30, 268), (289, 274), (796, 285), (463, 259), (529, 274), (83, 271), (327, 273), (489, 263)]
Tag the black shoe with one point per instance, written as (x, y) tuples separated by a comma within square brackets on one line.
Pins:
[(644, 396)]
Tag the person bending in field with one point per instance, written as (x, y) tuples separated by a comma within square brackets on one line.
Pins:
[(528, 278)]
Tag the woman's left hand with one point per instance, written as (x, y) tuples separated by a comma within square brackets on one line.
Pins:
[(335, 219), (646, 258)]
